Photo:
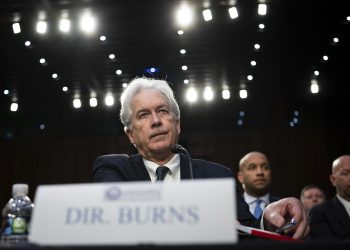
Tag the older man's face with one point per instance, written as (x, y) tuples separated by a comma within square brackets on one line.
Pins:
[(154, 129)]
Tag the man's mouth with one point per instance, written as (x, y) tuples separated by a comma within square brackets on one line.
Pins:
[(158, 134)]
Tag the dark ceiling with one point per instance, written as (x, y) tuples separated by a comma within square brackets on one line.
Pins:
[(143, 34)]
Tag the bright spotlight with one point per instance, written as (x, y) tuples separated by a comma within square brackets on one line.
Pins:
[(109, 100), (16, 27), (257, 46), (233, 12), (207, 15), (64, 88), (208, 93), (314, 88), (118, 71), (111, 56), (253, 63), (186, 81), (54, 76), (6, 92), (184, 67), (103, 38), (42, 60), (316, 73), (226, 94), (184, 16), (64, 25), (87, 23), (41, 27), (243, 93), (93, 102), (262, 9), (191, 95), (14, 107), (180, 32), (182, 51), (77, 103), (27, 43), (250, 77), (325, 58)]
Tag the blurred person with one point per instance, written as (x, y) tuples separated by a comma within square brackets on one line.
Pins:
[(331, 219), (312, 195), (255, 176), (151, 118)]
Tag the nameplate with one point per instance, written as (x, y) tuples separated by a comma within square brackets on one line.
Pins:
[(133, 213)]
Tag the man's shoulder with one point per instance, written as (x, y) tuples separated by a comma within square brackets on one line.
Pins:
[(112, 159), (212, 168)]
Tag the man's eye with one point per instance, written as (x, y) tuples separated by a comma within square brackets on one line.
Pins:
[(164, 111), (142, 115)]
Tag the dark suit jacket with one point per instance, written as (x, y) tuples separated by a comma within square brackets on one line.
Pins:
[(329, 221), (117, 167)]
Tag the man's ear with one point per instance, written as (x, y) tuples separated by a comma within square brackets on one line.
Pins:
[(240, 176), (130, 135), (332, 179), (178, 127)]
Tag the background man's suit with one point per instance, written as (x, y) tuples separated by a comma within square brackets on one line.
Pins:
[(329, 221), (119, 167)]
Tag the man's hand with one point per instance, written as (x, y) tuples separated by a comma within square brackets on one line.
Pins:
[(281, 212)]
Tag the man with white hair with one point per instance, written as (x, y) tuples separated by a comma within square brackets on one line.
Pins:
[(331, 220), (151, 117)]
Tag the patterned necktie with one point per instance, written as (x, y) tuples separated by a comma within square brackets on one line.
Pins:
[(161, 173), (257, 211)]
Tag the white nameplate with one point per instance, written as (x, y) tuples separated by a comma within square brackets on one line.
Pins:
[(131, 213)]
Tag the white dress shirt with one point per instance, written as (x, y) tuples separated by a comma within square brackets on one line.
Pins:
[(251, 201), (174, 165)]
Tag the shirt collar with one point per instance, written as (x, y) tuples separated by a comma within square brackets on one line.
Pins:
[(250, 199), (173, 165)]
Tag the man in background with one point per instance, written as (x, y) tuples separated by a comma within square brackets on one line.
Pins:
[(331, 220), (312, 195), (255, 176)]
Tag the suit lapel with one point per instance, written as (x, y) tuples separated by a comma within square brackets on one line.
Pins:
[(138, 168), (341, 214)]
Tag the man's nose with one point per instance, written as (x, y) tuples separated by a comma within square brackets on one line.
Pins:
[(259, 170), (155, 119)]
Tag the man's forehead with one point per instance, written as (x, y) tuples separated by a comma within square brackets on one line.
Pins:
[(256, 157)]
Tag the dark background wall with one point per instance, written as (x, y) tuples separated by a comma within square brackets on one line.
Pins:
[(298, 156)]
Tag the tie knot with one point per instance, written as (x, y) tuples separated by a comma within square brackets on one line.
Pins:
[(161, 173)]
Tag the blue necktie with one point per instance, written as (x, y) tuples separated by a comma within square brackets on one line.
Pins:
[(257, 211)]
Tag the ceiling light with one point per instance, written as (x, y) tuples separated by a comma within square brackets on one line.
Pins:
[(64, 88), (250, 77), (6, 92), (42, 126), (109, 100), (191, 95), (103, 38), (54, 76), (253, 63), (335, 39), (261, 26), (16, 27), (240, 122), (208, 93), (233, 12), (262, 9), (316, 73), (42, 60), (118, 71), (14, 107), (41, 27), (325, 58), (87, 23), (111, 56), (93, 102), (182, 51), (77, 103), (64, 25), (27, 43), (124, 85), (241, 113), (186, 81), (207, 15), (257, 46), (184, 16), (243, 93), (184, 67), (314, 88), (226, 94), (180, 32)]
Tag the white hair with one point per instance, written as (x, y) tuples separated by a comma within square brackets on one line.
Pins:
[(138, 84)]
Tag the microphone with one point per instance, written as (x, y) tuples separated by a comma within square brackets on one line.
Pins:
[(176, 148)]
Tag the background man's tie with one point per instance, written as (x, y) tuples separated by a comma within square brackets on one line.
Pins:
[(161, 172), (258, 211)]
